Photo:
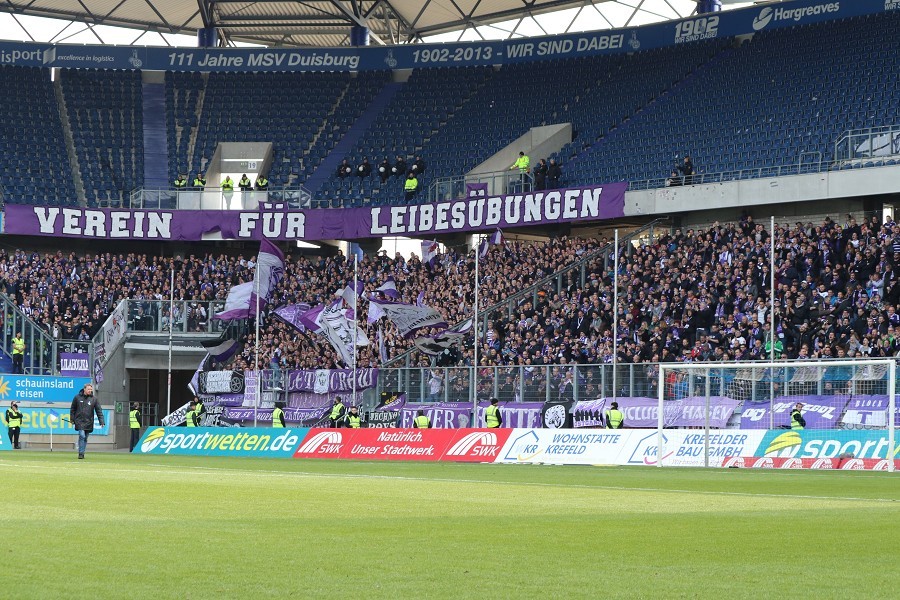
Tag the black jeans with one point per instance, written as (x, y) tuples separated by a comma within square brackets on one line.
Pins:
[(135, 436), (18, 362), (14, 436)]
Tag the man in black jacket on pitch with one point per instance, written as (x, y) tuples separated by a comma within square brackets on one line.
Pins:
[(81, 415)]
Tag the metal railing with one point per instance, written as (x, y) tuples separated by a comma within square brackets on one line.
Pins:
[(187, 316), (577, 382), (553, 282), (543, 383), (155, 317), (803, 167), (215, 198), (872, 144), (498, 183), (41, 348)]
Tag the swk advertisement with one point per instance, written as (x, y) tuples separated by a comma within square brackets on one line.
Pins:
[(459, 445)]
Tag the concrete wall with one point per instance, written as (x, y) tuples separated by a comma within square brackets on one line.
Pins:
[(813, 187), (538, 142)]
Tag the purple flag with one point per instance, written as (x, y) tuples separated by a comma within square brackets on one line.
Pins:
[(430, 251), (291, 313), (310, 318), (269, 272), (494, 239), (389, 288), (350, 296), (237, 303)]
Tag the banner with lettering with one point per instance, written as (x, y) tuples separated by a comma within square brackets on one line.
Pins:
[(415, 56), (591, 203), (74, 364), (820, 412)]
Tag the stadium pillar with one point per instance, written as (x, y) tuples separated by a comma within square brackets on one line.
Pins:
[(708, 6), (207, 37), (359, 36)]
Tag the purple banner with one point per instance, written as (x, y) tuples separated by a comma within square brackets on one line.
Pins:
[(643, 412), (590, 413), (306, 417), (74, 364), (865, 411), (820, 412), (443, 415), (592, 203), (323, 381), (454, 415)]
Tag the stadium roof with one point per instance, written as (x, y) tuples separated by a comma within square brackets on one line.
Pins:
[(328, 22)]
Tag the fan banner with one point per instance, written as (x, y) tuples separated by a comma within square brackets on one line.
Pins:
[(592, 203)]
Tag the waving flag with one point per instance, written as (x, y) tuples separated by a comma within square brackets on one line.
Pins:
[(338, 330), (291, 313), (495, 239), (444, 340), (389, 288), (406, 317), (350, 295), (269, 270), (430, 251), (237, 304), (241, 300)]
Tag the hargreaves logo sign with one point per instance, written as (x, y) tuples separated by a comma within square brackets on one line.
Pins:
[(768, 14)]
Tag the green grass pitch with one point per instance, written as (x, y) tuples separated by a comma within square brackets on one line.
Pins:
[(123, 526)]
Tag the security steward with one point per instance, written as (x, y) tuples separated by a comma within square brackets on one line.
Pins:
[(278, 416), (180, 181), (522, 164), (18, 354), (191, 416), (354, 420), (199, 181), (228, 184), (336, 416), (200, 409), (14, 423), (615, 419), (262, 184), (411, 186), (492, 417), (421, 421), (245, 184), (134, 423), (798, 423)]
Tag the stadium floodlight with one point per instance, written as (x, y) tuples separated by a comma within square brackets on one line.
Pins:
[(744, 411)]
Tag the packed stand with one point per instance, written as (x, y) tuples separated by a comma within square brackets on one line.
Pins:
[(692, 295)]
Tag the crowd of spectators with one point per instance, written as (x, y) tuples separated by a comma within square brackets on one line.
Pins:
[(690, 295)]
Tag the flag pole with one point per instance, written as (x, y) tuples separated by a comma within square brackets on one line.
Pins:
[(615, 312), (171, 327), (256, 323), (475, 329), (772, 337), (355, 319)]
